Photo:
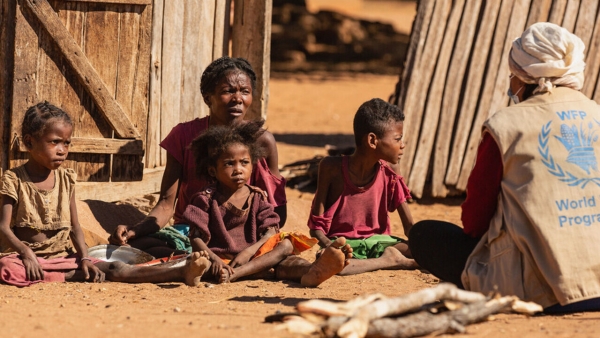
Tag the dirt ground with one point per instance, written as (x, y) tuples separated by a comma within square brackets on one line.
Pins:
[(305, 113)]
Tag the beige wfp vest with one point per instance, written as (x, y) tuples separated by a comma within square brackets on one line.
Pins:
[(542, 244)]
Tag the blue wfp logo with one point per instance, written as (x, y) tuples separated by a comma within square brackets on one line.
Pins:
[(578, 139)]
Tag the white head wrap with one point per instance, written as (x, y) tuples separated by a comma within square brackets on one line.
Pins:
[(548, 55)]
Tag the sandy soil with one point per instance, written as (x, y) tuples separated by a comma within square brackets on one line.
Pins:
[(305, 113)]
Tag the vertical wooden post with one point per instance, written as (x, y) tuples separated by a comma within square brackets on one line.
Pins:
[(557, 14), (153, 135), (221, 34), (585, 22), (592, 67), (172, 46), (571, 15), (197, 53), (251, 39)]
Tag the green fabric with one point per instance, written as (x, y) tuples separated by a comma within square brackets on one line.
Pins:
[(373, 246), (175, 236)]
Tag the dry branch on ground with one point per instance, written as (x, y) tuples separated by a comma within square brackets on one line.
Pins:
[(443, 308)]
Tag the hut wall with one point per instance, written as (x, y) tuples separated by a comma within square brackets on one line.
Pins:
[(127, 71), (456, 75)]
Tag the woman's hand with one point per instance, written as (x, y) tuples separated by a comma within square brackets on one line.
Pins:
[(121, 235), (91, 272), (33, 269)]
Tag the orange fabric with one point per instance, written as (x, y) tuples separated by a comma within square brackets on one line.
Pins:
[(300, 242)]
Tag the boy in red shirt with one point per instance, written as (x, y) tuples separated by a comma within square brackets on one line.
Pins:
[(356, 193)]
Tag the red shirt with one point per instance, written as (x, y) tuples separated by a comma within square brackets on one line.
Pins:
[(361, 212), (483, 188)]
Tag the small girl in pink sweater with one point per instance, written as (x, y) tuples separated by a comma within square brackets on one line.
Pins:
[(233, 224)]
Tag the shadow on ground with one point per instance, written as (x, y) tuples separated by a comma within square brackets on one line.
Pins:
[(316, 140)]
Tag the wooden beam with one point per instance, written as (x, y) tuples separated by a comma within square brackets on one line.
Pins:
[(571, 15), (121, 2), (115, 191), (87, 75), (585, 24), (592, 64), (153, 135), (99, 146), (171, 77), (221, 34), (557, 14), (251, 39)]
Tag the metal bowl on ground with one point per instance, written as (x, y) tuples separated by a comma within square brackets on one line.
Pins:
[(115, 253)]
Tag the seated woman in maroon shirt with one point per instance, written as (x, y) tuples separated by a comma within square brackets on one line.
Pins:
[(227, 87)]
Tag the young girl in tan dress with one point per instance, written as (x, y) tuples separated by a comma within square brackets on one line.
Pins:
[(42, 240)]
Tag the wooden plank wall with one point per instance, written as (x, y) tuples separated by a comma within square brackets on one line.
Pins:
[(121, 39), (87, 58), (456, 76)]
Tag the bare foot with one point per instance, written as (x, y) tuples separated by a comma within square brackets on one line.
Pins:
[(224, 276), (398, 260), (332, 261), (195, 266)]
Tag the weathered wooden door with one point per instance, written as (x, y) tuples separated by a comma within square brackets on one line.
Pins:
[(90, 57)]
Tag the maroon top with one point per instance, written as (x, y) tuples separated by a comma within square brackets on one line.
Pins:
[(361, 212), (176, 144), (483, 188), (225, 229)]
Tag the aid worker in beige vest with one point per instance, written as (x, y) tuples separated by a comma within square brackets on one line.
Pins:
[(532, 214)]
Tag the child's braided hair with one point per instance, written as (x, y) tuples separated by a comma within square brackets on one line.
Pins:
[(374, 116), (219, 68), (37, 117), (211, 144)]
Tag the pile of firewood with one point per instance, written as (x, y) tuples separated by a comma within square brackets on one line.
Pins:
[(441, 309)]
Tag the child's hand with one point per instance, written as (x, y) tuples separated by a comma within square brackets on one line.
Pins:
[(217, 265), (32, 266), (91, 272), (241, 259)]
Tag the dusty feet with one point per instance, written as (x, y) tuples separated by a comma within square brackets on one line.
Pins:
[(333, 260), (397, 261), (195, 266), (224, 277)]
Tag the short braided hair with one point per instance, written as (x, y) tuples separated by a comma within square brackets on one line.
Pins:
[(210, 145), (374, 116), (37, 118), (221, 67)]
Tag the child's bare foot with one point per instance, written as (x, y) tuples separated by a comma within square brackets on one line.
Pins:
[(224, 277), (333, 260), (195, 266), (398, 260)]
